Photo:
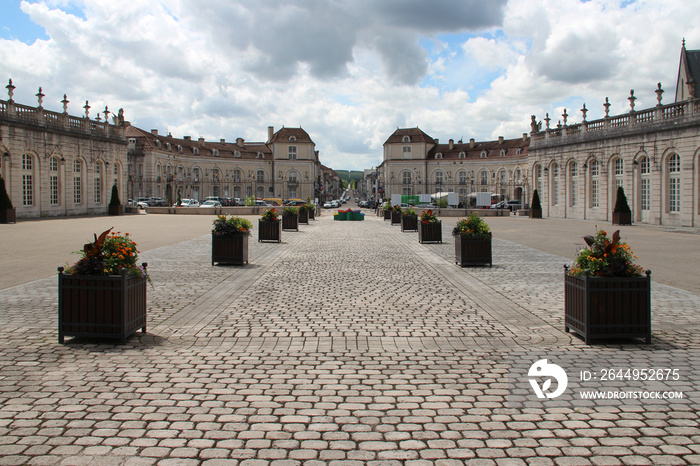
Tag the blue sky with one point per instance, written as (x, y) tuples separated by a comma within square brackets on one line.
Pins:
[(348, 72)]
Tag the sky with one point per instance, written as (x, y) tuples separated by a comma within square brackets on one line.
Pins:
[(350, 72)]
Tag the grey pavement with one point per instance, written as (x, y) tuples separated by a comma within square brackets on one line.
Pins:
[(348, 343)]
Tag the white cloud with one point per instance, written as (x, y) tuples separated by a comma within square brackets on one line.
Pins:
[(349, 72)]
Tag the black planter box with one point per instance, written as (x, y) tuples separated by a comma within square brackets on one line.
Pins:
[(115, 210), (229, 249), (472, 251), (290, 222), (535, 213), (396, 218), (312, 214), (8, 215), (622, 218), (304, 217), (608, 307), (112, 306), (387, 215), (430, 232), (270, 231), (409, 223)]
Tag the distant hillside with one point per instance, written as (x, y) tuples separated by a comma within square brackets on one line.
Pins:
[(350, 175)]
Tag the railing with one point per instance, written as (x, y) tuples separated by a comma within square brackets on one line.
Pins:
[(37, 116), (656, 115)]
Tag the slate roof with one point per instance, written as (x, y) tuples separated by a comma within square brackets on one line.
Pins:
[(492, 148), (416, 135)]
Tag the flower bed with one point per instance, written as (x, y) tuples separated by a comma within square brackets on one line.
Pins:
[(229, 240), (429, 228), (472, 242)]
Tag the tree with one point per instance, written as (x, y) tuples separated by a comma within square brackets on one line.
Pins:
[(5, 202), (114, 201), (536, 204), (621, 205)]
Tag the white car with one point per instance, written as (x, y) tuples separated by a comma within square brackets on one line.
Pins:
[(210, 204), (188, 203), (328, 205)]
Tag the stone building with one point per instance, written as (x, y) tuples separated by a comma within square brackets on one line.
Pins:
[(415, 163), (286, 166), (56, 164)]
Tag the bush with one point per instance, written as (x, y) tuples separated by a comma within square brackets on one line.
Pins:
[(536, 204), (114, 201), (474, 227), (442, 203), (5, 202), (621, 205)]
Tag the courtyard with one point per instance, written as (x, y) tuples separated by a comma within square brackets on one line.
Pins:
[(348, 343)]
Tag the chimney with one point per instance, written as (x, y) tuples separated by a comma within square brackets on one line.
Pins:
[(452, 144), (437, 141), (201, 142), (154, 132), (187, 138), (524, 136), (239, 142), (270, 133), (500, 139), (471, 143)]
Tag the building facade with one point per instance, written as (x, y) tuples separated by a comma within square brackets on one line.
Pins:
[(415, 163), (286, 166), (56, 164)]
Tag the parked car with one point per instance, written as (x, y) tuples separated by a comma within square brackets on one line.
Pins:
[(210, 204), (295, 202), (238, 201), (139, 203), (262, 203), (157, 202), (515, 205), (427, 206), (328, 205), (500, 205), (188, 203)]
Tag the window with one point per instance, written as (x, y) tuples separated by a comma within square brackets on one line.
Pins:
[(439, 177), (260, 176), (236, 176), (292, 139), (406, 139), (483, 154), (595, 184), (53, 181), (215, 175), (573, 170), (555, 184), (237, 154), (77, 182), (292, 152), (503, 177), (97, 183), (502, 153), (462, 177), (27, 180), (674, 183), (484, 177), (462, 155), (406, 152), (645, 187), (406, 177), (292, 178), (538, 179), (618, 169), (195, 173), (438, 155)]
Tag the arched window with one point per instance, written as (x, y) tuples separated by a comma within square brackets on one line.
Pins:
[(595, 183), (77, 182), (555, 184), (674, 183), (236, 176), (260, 176), (462, 155), (97, 183), (292, 184), (573, 183), (406, 152), (645, 184), (462, 177), (538, 179), (406, 139), (484, 175), (27, 180), (618, 171), (53, 181), (439, 177), (406, 180)]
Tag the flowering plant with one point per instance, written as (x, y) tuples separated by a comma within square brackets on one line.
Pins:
[(387, 206), (605, 257), (474, 227), (224, 226), (290, 211), (108, 255), (396, 208), (428, 217), (303, 208), (409, 212), (270, 216)]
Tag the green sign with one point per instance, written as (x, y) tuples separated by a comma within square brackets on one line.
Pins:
[(411, 200)]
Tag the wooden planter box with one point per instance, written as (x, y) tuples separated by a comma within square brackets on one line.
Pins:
[(229, 249), (535, 213), (8, 215), (111, 306), (472, 251), (290, 222), (396, 218), (622, 218), (387, 215), (608, 307), (304, 217), (430, 232), (312, 214), (409, 223), (115, 210), (270, 231)]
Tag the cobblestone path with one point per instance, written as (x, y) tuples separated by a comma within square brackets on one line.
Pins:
[(349, 343)]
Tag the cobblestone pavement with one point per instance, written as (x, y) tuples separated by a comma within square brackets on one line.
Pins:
[(348, 343)]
